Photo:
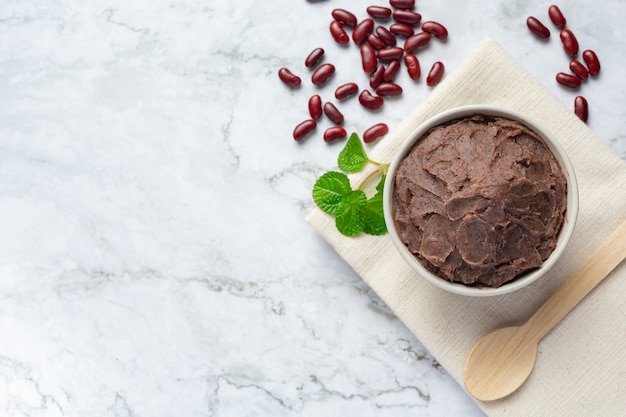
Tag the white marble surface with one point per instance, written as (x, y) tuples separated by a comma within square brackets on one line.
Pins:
[(154, 259)]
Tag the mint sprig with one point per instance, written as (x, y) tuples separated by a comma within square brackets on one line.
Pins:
[(349, 219), (354, 212), (352, 157), (330, 190)]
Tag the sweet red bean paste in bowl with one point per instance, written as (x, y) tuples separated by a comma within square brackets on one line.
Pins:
[(480, 200)]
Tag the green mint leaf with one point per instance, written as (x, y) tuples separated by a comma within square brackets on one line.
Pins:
[(352, 157), (349, 218), (373, 216), (329, 191)]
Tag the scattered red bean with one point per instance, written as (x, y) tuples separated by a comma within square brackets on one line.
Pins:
[(370, 101), (377, 76), (333, 113), (361, 30), (570, 43), (386, 36), (435, 74), (334, 133), (412, 65), (382, 59), (289, 78), (401, 29), (338, 32), (380, 45), (375, 41), (568, 80), (402, 4), (416, 41), (556, 16), (368, 58), (579, 69), (303, 129), (389, 89), (346, 90), (374, 132), (322, 74), (591, 59), (390, 53), (581, 108), (392, 70), (314, 57), (407, 16), (345, 17), (537, 27), (436, 29), (379, 12), (315, 106)]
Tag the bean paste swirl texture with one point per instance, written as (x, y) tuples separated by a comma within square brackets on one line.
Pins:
[(480, 200)]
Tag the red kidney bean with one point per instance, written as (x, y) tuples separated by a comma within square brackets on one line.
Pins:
[(537, 27), (390, 53), (581, 108), (322, 74), (315, 106), (289, 78), (361, 30), (402, 4), (416, 41), (377, 76), (346, 90), (570, 43), (436, 29), (344, 16), (379, 12), (375, 41), (374, 132), (338, 32), (314, 57), (388, 89), (333, 113), (303, 129), (435, 74), (391, 71), (334, 133), (412, 65), (568, 80), (368, 58), (370, 101), (401, 29), (407, 16), (556, 16), (386, 36), (579, 69), (592, 61)]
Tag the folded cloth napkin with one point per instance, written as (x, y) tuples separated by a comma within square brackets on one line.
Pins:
[(581, 364)]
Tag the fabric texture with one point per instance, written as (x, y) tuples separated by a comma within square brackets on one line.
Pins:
[(581, 364)]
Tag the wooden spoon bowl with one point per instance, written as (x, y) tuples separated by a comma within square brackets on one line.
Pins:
[(502, 360)]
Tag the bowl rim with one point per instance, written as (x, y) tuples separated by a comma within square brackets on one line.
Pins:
[(555, 147)]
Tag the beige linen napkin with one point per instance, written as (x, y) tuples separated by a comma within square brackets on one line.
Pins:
[(581, 364)]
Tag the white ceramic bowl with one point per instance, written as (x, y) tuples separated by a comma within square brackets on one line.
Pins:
[(564, 235)]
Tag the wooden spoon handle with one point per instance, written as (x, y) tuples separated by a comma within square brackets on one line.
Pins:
[(594, 270)]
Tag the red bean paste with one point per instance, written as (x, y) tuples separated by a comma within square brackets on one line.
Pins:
[(480, 200)]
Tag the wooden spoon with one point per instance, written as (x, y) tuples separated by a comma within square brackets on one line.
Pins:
[(502, 360)]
